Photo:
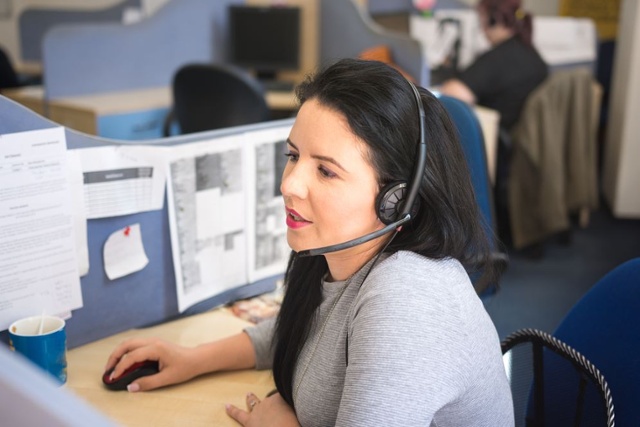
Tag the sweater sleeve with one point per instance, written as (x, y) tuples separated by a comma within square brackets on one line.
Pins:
[(261, 336)]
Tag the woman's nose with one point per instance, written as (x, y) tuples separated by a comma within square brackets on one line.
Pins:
[(293, 183)]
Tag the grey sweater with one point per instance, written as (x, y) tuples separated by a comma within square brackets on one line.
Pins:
[(422, 351)]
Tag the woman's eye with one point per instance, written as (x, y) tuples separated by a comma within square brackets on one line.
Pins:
[(326, 172), (293, 157)]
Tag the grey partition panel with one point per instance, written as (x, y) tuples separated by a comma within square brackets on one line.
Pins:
[(345, 31), (148, 296), (88, 59), (35, 22)]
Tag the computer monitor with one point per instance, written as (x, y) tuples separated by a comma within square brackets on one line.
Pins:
[(265, 39), (30, 397)]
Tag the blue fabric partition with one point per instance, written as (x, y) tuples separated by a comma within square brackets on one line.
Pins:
[(35, 22), (148, 296), (95, 58)]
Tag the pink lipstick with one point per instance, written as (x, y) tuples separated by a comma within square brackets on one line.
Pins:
[(295, 220)]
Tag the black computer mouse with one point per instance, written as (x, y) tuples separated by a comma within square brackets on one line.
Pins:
[(135, 371)]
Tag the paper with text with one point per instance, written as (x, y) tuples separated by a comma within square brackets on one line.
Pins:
[(38, 266), (80, 219), (122, 180), (124, 253), (268, 250), (226, 213)]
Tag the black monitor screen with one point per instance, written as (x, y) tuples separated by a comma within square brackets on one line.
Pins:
[(265, 39)]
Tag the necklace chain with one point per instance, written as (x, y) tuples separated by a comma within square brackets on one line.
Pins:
[(320, 334)]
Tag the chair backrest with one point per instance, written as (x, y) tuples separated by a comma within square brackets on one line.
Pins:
[(553, 384), (8, 75), (213, 96), (472, 141), (605, 327)]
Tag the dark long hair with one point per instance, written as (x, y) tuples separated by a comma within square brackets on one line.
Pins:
[(510, 14), (381, 110)]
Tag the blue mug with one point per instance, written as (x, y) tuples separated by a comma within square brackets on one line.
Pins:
[(43, 340)]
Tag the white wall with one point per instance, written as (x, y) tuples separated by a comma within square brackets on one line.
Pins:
[(621, 174)]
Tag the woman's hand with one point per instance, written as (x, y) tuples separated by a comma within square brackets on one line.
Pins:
[(272, 411), (177, 364)]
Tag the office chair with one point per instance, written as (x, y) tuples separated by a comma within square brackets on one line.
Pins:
[(472, 141), (601, 330), (8, 75), (212, 96)]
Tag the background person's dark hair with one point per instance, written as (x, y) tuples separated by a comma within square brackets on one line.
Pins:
[(381, 110), (510, 14)]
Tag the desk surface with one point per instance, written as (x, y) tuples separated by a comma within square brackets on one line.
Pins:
[(199, 402), (132, 100)]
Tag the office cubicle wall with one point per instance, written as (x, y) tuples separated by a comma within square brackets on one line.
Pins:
[(89, 59), (346, 30), (147, 296), (34, 22), (83, 64)]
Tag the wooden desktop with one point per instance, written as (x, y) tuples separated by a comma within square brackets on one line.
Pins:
[(199, 402), (135, 114)]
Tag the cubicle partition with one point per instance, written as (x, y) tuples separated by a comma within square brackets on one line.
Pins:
[(96, 58), (131, 64), (35, 22), (346, 30), (149, 295)]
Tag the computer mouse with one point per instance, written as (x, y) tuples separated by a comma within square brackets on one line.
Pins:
[(135, 371)]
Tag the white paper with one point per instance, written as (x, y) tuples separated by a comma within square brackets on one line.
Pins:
[(38, 266), (268, 250), (437, 35), (563, 40), (122, 180), (80, 219), (226, 213), (206, 216), (124, 252)]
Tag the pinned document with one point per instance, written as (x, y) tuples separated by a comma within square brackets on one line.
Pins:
[(38, 265), (124, 252)]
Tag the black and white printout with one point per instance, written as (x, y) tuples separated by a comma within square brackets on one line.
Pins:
[(226, 213)]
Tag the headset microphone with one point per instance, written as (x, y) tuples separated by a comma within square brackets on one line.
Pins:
[(390, 197)]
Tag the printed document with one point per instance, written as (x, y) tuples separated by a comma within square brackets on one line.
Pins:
[(38, 266), (122, 180), (226, 213)]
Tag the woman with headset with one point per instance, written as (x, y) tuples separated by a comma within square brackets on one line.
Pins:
[(380, 324), (505, 75)]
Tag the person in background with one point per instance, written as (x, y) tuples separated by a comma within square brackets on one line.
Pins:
[(503, 77), (386, 332)]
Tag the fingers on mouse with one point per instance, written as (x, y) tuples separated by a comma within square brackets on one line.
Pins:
[(135, 371)]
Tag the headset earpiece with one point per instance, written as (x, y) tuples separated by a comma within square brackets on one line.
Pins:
[(389, 202)]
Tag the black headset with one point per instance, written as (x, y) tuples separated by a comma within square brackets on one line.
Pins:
[(393, 206)]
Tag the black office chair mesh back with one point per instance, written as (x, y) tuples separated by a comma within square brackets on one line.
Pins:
[(213, 96), (553, 384)]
